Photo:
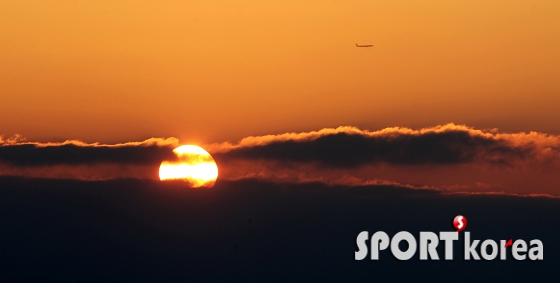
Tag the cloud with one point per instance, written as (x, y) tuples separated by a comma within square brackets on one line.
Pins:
[(17, 152), (349, 147), (450, 158)]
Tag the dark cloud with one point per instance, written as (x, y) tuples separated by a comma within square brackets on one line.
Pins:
[(74, 154), (350, 149)]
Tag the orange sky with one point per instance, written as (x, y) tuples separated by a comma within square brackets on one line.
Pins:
[(222, 70)]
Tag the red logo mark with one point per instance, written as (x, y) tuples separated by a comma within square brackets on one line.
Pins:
[(460, 223), (508, 243)]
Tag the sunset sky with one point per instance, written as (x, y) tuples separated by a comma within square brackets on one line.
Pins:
[(117, 116), (213, 71)]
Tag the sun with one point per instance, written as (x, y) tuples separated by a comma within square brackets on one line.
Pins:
[(194, 166)]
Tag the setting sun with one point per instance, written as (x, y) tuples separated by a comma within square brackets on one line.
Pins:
[(195, 166)]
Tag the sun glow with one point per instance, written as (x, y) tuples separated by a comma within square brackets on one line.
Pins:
[(195, 166)]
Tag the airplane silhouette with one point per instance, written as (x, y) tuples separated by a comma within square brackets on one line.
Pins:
[(367, 45)]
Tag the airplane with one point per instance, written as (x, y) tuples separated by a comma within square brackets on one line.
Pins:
[(367, 45)]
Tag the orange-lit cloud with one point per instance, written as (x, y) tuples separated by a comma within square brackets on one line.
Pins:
[(351, 147), (450, 157)]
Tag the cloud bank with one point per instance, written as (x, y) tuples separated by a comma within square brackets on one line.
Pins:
[(452, 158)]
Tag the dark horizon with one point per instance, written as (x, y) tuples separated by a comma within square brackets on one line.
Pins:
[(249, 230)]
